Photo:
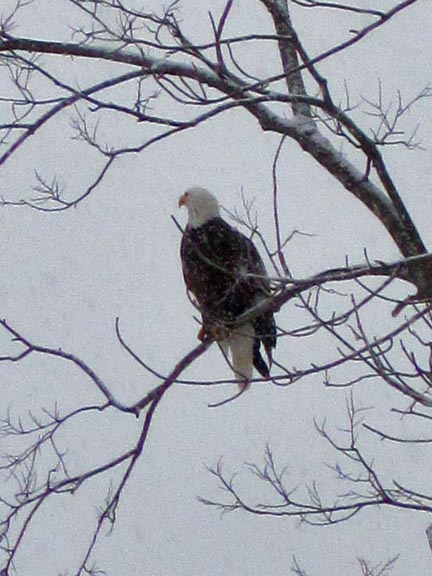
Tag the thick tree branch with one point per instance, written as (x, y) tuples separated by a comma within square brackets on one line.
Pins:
[(390, 212)]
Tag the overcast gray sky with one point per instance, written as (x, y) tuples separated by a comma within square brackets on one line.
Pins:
[(67, 276)]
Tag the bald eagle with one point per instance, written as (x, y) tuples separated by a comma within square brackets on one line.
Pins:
[(226, 275)]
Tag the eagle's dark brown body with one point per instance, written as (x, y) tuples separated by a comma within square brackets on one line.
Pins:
[(216, 260)]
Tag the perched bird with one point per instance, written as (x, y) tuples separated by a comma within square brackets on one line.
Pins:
[(226, 275)]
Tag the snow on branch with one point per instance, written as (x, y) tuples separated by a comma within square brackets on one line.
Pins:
[(186, 72)]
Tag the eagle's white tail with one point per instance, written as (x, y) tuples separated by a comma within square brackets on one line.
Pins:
[(238, 348)]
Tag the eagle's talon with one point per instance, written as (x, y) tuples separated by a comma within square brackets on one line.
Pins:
[(202, 334), (216, 331)]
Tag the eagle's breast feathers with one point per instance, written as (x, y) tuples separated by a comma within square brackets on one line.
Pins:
[(221, 268)]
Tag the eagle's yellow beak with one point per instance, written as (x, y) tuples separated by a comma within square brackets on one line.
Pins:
[(182, 200)]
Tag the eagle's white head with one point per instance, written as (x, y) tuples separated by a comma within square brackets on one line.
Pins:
[(201, 205)]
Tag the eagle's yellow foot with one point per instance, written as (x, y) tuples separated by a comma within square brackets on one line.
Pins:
[(202, 334), (216, 331)]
